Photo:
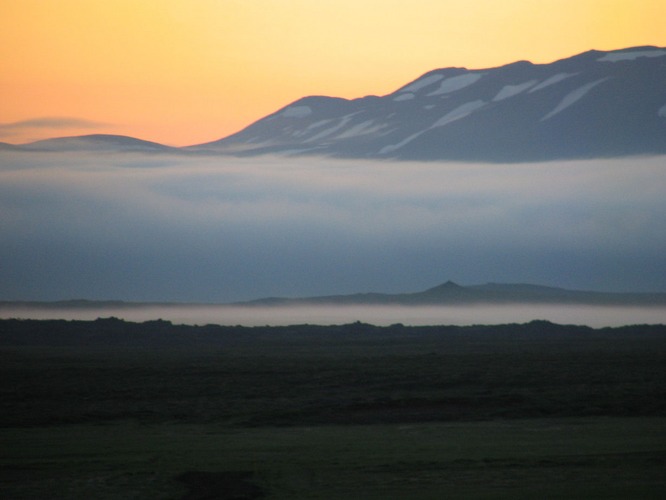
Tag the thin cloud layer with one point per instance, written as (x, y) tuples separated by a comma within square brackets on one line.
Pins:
[(187, 228), (49, 123)]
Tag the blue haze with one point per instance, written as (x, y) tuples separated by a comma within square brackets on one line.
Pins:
[(188, 228)]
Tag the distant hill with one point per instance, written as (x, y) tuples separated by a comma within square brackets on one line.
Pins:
[(4, 146), (450, 293), (96, 142), (596, 104)]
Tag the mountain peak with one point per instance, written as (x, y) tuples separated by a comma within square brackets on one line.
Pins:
[(447, 287), (450, 284)]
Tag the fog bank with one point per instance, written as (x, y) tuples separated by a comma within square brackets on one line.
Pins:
[(150, 227), (594, 316)]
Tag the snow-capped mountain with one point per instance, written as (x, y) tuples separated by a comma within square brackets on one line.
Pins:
[(596, 104)]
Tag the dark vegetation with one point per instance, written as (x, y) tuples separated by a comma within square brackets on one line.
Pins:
[(239, 412), (109, 369)]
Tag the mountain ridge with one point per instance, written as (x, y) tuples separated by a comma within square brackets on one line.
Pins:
[(596, 104), (451, 293)]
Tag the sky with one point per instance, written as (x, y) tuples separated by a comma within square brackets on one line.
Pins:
[(183, 72)]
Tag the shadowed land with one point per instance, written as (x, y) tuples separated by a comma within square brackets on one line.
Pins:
[(112, 409)]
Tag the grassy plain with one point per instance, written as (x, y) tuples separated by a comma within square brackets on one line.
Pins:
[(110, 409)]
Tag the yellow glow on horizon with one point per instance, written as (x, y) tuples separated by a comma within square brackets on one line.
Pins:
[(182, 72)]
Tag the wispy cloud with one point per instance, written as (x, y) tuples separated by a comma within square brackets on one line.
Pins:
[(142, 227), (9, 129)]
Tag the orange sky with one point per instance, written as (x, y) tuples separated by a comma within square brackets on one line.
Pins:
[(183, 72)]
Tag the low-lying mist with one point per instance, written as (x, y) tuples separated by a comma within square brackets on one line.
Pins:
[(187, 228), (594, 316)]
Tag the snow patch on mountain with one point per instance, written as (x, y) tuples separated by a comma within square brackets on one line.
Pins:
[(422, 83), (342, 122), (366, 127), (460, 112), (393, 147), (407, 96), (455, 83), (457, 114), (572, 97), (551, 81), (513, 90), (296, 112), (318, 124), (630, 56)]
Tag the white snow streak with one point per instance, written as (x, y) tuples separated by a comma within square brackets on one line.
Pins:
[(366, 127), (457, 83), (458, 113), (330, 131), (407, 96), (422, 82), (513, 90), (318, 124), (572, 97), (297, 112), (630, 56), (551, 81), (392, 147)]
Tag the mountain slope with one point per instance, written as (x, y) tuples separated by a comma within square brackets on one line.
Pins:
[(596, 104), (4, 146)]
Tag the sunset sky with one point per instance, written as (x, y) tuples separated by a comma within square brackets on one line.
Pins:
[(185, 72)]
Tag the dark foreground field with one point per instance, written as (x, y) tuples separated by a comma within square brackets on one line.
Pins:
[(111, 409)]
